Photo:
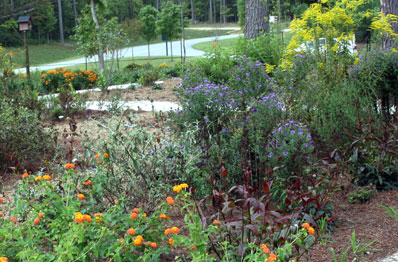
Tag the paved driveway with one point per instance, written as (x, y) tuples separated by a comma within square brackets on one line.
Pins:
[(156, 50)]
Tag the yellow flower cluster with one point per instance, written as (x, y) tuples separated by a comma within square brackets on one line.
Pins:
[(178, 188), (163, 65)]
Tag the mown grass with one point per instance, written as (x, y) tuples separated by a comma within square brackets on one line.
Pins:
[(155, 61), (208, 46), (56, 52)]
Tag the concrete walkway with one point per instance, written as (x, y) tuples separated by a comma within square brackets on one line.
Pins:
[(392, 258), (155, 49)]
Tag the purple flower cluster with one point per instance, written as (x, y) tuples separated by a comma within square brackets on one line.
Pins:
[(288, 139)]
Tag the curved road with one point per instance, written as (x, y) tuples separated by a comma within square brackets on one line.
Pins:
[(156, 50)]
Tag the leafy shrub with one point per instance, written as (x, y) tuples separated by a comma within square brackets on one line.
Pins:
[(133, 66), (23, 141), (267, 48), (139, 159), (55, 79), (373, 159), (376, 74), (289, 146)]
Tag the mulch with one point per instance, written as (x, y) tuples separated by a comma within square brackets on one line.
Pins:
[(369, 221)]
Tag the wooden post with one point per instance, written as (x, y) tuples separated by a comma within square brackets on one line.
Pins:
[(26, 53)]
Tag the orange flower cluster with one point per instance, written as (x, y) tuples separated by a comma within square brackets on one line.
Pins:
[(98, 217), (173, 230), (36, 220), (133, 215), (85, 77), (69, 165), (164, 216), (272, 257), (80, 196), (178, 188), (25, 175), (170, 200), (1, 200), (131, 231), (310, 229), (138, 241), (88, 182), (3, 259), (171, 241), (80, 218), (45, 177), (265, 249)]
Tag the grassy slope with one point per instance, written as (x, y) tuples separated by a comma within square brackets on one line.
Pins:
[(55, 52)]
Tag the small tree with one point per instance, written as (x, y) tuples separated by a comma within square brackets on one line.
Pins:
[(169, 23), (110, 35), (148, 16)]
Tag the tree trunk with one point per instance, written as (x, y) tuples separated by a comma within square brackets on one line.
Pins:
[(61, 25), (211, 12), (100, 47), (214, 11), (389, 7), (257, 18), (225, 12), (221, 11), (149, 51), (193, 17), (74, 11)]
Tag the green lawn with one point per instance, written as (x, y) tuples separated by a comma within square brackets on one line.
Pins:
[(56, 52), (155, 61), (208, 46)]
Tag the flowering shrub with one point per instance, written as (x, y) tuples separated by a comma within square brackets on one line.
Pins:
[(55, 79), (289, 146)]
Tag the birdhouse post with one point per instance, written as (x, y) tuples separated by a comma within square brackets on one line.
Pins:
[(25, 24)]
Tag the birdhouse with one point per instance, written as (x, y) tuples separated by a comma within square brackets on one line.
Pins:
[(25, 23)]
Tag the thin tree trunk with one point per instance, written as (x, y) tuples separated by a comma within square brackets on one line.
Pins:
[(224, 12), (211, 12), (389, 7), (214, 12), (171, 49), (74, 11), (149, 51), (193, 17), (221, 10), (100, 47), (61, 25), (257, 18)]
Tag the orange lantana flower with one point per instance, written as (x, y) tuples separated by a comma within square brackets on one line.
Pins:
[(138, 241), (80, 196), (69, 165), (272, 257), (170, 200), (164, 216), (134, 215), (265, 249), (36, 221), (131, 231)]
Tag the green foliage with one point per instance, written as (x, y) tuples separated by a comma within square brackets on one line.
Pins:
[(267, 48), (391, 212), (360, 196), (24, 143), (169, 22), (139, 159), (148, 16), (241, 5)]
